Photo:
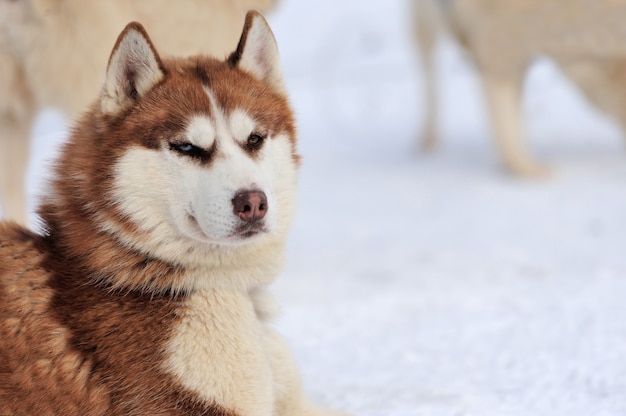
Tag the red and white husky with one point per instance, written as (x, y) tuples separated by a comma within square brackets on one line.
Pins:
[(168, 216)]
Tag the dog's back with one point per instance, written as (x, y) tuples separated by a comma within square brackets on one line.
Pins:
[(513, 32)]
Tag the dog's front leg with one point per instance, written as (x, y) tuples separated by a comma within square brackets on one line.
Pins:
[(503, 93)]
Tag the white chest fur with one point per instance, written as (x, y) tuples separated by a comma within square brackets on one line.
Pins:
[(218, 351)]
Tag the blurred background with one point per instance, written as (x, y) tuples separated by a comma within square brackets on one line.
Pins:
[(434, 283)]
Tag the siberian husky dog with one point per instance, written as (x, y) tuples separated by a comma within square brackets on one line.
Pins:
[(52, 53), (166, 219), (586, 39)]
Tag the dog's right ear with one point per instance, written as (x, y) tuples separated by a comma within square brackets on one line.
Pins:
[(257, 52), (134, 68)]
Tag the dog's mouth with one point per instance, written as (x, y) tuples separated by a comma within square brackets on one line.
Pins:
[(249, 230), (243, 233)]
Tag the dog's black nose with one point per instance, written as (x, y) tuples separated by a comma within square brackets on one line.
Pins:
[(250, 205)]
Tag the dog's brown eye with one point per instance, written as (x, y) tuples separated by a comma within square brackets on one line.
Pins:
[(254, 143), (255, 139)]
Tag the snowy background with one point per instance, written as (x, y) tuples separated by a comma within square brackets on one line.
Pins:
[(434, 284)]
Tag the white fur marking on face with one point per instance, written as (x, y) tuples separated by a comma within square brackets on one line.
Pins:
[(241, 125), (210, 210), (218, 115), (186, 201), (201, 132), (158, 191)]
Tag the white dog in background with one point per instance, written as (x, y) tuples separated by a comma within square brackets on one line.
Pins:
[(52, 53), (586, 39)]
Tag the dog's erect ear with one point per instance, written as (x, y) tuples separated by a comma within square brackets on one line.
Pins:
[(257, 52), (134, 68)]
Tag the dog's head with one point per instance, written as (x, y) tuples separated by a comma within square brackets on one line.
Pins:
[(185, 158)]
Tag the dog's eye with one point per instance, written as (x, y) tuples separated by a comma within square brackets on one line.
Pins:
[(184, 148), (255, 139), (254, 142), (188, 149)]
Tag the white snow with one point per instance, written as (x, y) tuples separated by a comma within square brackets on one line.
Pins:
[(434, 284)]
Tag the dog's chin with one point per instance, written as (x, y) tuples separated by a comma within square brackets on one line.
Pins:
[(242, 235)]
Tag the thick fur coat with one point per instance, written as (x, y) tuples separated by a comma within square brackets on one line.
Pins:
[(167, 218)]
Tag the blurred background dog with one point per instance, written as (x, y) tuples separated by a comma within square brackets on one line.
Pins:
[(52, 53), (586, 39)]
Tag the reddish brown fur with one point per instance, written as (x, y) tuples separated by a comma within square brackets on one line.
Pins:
[(74, 348), (84, 320)]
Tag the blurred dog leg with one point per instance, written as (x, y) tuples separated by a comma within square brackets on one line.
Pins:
[(426, 33), (503, 93)]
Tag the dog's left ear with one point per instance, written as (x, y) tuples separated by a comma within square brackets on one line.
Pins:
[(134, 68), (257, 52)]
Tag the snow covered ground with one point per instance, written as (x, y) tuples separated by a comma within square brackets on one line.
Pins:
[(433, 284)]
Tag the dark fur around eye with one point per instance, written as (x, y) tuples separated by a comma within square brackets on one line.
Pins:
[(192, 151), (254, 142)]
